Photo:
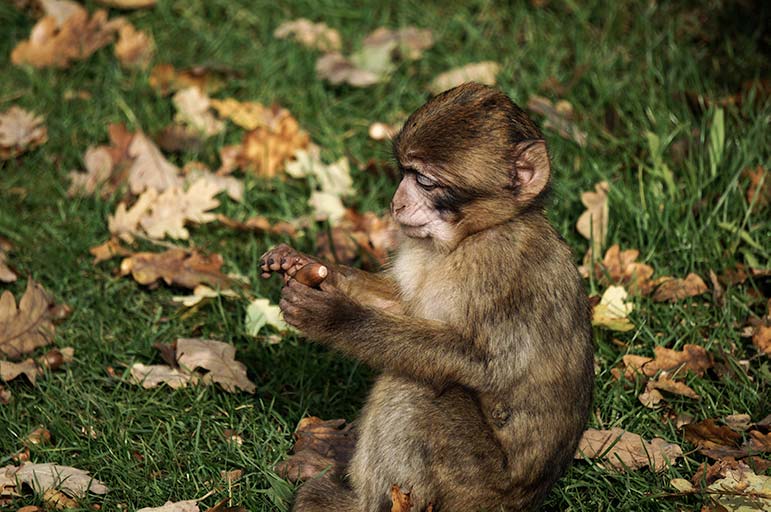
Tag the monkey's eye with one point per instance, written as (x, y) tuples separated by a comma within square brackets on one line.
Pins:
[(424, 181)]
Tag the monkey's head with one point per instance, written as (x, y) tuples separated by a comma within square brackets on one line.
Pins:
[(470, 159)]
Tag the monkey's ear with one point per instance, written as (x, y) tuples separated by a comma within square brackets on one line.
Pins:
[(532, 168)]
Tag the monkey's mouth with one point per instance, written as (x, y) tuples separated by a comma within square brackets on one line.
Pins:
[(415, 231)]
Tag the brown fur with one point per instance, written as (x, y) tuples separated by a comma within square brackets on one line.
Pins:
[(485, 347)]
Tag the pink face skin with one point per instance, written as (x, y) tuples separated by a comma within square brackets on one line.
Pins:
[(412, 208)]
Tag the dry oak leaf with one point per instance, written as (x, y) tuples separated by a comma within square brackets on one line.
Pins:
[(28, 367), (620, 267), (624, 450), (762, 339), (151, 376), (172, 209), (593, 222), (135, 48), (319, 445), (178, 506), (106, 166), (246, 114), (125, 222), (312, 35), (337, 69), (108, 250), (651, 396), (558, 117), (218, 359), (176, 267), (334, 178), (165, 79), (410, 42), (193, 109), (42, 477), (20, 131), (673, 290), (6, 274), (28, 326), (266, 149), (612, 311), (56, 45), (713, 440), (150, 169), (483, 72), (669, 362)]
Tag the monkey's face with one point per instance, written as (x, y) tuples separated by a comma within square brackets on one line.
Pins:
[(414, 205)]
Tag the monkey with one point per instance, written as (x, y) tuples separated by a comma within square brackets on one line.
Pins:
[(479, 326)]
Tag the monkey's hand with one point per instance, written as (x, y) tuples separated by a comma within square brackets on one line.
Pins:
[(284, 260), (318, 314)]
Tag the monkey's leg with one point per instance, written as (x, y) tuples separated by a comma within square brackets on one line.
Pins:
[(325, 494)]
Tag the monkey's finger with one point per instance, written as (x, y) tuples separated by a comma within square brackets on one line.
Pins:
[(265, 275)]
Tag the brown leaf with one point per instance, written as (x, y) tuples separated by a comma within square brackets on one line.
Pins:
[(312, 35), (28, 367), (266, 149), (624, 450), (150, 169), (177, 267), (6, 274), (151, 376), (400, 501), (27, 327), (53, 45), (714, 440), (483, 72), (337, 69), (108, 250), (558, 117), (106, 166), (42, 477), (134, 49), (165, 79), (20, 131), (673, 290), (320, 444), (759, 441), (759, 186), (593, 222), (664, 383), (260, 224), (620, 267), (218, 359), (762, 338), (671, 363)]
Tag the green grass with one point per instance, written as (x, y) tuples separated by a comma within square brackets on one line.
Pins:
[(638, 60)]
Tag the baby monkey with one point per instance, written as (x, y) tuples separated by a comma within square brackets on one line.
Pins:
[(480, 327)]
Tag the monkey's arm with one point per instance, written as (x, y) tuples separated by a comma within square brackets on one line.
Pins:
[(430, 351), (376, 290)]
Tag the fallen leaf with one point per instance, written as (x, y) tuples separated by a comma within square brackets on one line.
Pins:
[(175, 207), (713, 438), (41, 477), (28, 326), (177, 267), (128, 4), (400, 501), (232, 186), (259, 313), (201, 293), (620, 267), (558, 117), (482, 72), (762, 339), (151, 376), (150, 169), (675, 387), (319, 445), (624, 450), (327, 206), (134, 49), (165, 79), (337, 69), (60, 10), (742, 491), (20, 131), (266, 149), (193, 110), (246, 114), (57, 500), (28, 367), (177, 138), (673, 290), (593, 222), (6, 274), (108, 250), (738, 422), (106, 166), (125, 222), (231, 476), (78, 37), (759, 186), (334, 178), (312, 35), (670, 363), (218, 359), (612, 311), (410, 42), (179, 506)]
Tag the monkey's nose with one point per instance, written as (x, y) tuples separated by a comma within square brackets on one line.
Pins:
[(397, 208)]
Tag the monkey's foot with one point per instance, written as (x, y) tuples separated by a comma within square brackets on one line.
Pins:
[(319, 445), (283, 259)]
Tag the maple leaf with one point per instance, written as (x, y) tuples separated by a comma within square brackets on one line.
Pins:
[(312, 35), (559, 117), (20, 131), (28, 326), (624, 450), (42, 477), (612, 311), (193, 110), (134, 49), (218, 358), (177, 267), (483, 72), (150, 169), (593, 222), (673, 290), (55, 44)]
